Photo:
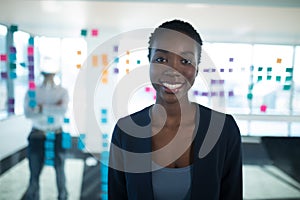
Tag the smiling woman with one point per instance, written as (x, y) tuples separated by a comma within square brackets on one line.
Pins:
[(187, 141)]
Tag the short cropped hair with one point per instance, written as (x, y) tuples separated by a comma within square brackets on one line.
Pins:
[(180, 26)]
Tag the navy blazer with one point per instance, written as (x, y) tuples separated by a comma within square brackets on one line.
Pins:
[(217, 164)]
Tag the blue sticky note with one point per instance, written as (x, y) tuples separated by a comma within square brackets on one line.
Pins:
[(104, 136), (49, 162), (49, 154), (31, 94), (104, 196), (12, 57), (66, 140), (104, 120), (50, 120), (104, 111), (32, 103), (81, 142), (13, 75), (66, 120), (116, 60), (50, 135), (31, 41), (104, 144), (49, 144), (104, 188)]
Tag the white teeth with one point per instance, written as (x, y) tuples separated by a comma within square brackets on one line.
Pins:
[(172, 86)]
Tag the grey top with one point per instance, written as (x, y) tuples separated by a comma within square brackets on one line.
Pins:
[(172, 183)]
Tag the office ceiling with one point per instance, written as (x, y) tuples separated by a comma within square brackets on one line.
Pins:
[(259, 21)]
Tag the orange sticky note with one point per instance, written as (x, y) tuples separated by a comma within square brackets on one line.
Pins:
[(105, 72), (104, 80), (94, 61), (78, 52), (127, 62), (104, 60), (127, 52), (127, 71), (78, 66), (279, 60)]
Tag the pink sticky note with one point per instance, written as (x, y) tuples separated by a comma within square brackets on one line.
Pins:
[(3, 57), (30, 50), (94, 32), (147, 89), (31, 85), (263, 108)]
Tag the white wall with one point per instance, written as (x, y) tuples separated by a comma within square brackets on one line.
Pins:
[(14, 132)]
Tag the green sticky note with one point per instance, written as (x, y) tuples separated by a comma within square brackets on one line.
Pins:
[(260, 69), (269, 77), (289, 70), (278, 78), (13, 28), (286, 87), (251, 87), (12, 66), (249, 96), (288, 78), (83, 32), (269, 69), (259, 78)]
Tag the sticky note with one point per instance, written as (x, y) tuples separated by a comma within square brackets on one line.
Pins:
[(213, 81), (205, 70), (127, 71), (31, 67), (49, 162), (104, 60), (11, 110), (104, 80), (221, 81), (12, 57), (32, 103), (213, 70), (12, 66), (11, 101), (30, 58), (104, 144), (31, 94), (290, 70), (81, 142), (104, 120), (13, 75), (94, 61), (116, 60), (78, 52), (12, 50), (147, 89), (104, 136), (30, 50), (221, 70), (13, 28), (23, 64), (104, 111), (3, 57), (66, 120), (278, 78), (116, 70), (94, 32), (286, 87), (49, 155), (230, 93), (127, 53), (221, 93), (230, 59), (259, 78), (50, 119), (50, 135), (4, 75), (32, 85), (31, 41), (250, 96), (66, 140), (48, 144), (269, 69), (195, 93), (31, 76), (138, 62), (230, 70), (251, 68), (263, 108), (269, 77), (250, 87), (288, 78), (116, 48), (204, 94), (127, 61), (260, 69), (78, 66), (279, 60), (213, 94), (83, 32)]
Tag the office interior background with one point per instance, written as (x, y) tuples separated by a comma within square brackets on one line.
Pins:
[(250, 69)]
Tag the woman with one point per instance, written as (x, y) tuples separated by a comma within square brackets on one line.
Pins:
[(175, 149)]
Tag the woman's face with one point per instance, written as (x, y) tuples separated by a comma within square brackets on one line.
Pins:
[(173, 65)]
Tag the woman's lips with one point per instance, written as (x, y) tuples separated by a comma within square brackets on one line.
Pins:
[(172, 87)]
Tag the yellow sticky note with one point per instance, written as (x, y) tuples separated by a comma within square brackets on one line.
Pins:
[(94, 61)]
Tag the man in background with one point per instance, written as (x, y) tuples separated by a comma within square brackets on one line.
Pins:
[(46, 108)]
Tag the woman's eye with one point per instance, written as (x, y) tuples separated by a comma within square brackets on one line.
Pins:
[(185, 61), (160, 59)]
